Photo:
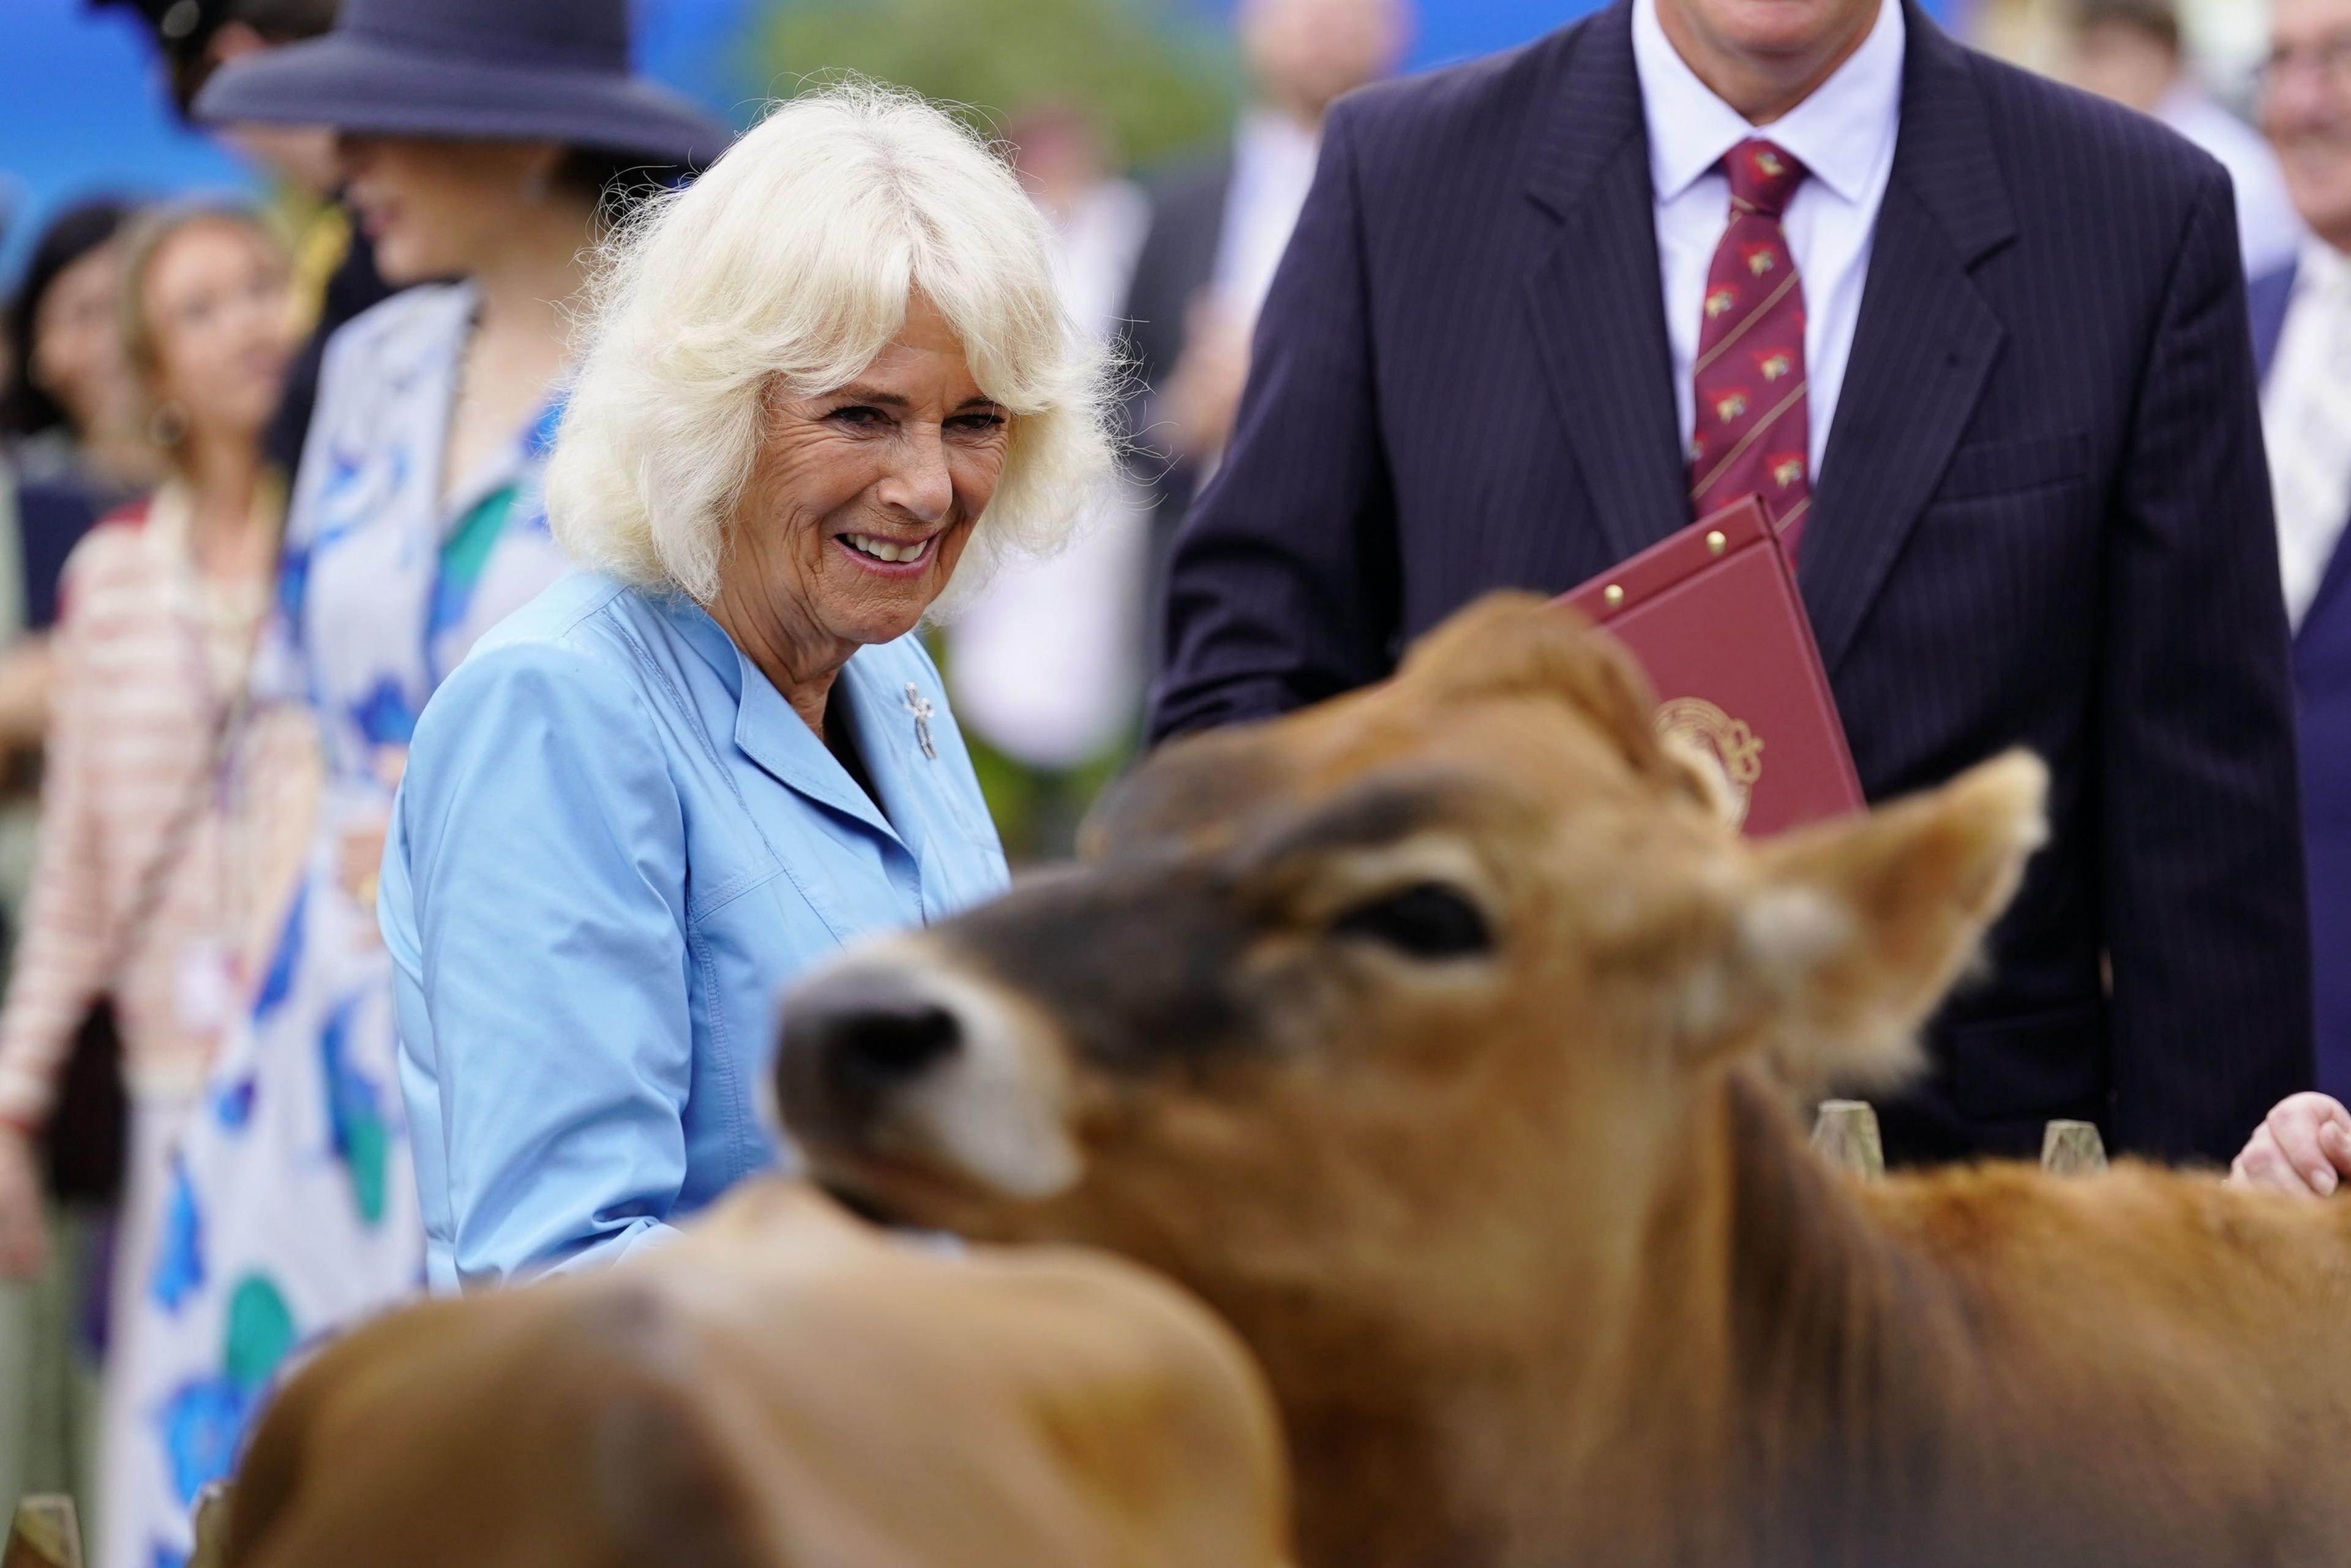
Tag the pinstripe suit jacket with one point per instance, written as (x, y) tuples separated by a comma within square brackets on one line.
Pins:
[(2043, 520)]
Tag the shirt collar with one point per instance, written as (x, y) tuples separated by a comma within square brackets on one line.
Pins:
[(2321, 268), (1844, 134), (1266, 134)]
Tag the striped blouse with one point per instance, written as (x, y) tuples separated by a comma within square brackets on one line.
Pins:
[(146, 657)]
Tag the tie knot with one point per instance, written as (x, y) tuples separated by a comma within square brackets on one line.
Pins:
[(1762, 177)]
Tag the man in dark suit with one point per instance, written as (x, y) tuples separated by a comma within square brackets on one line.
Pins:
[(2301, 332), (1981, 341)]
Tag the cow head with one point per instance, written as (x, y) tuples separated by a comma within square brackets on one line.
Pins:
[(1408, 1000)]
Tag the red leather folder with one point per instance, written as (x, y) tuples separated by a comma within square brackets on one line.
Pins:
[(1712, 613)]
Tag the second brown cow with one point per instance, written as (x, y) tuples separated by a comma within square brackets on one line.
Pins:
[(1439, 1037)]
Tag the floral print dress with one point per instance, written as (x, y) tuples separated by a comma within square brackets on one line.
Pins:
[(292, 1207)]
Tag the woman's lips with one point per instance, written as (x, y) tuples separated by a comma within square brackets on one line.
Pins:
[(891, 558)]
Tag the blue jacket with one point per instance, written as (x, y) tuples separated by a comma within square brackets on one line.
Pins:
[(2043, 520), (2322, 679), (614, 842)]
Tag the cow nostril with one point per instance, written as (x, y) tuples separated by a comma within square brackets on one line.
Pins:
[(885, 1046)]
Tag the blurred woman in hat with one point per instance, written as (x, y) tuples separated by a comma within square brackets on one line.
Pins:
[(480, 140)]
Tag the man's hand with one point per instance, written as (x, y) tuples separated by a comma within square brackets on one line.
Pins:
[(2304, 1148), (24, 1237)]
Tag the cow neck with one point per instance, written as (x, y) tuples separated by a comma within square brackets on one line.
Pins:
[(1720, 1400), (1791, 1369)]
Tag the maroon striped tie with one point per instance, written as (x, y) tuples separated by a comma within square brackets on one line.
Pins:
[(1752, 431)]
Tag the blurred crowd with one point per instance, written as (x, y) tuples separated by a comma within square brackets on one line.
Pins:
[(164, 797)]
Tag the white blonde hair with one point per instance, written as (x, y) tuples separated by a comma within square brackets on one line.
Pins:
[(789, 263)]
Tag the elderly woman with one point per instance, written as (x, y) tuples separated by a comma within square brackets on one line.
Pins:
[(820, 381)]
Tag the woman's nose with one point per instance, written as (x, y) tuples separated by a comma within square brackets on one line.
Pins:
[(920, 484)]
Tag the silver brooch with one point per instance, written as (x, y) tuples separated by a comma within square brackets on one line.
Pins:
[(920, 707)]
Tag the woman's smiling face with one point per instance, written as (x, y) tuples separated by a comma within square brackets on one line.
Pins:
[(863, 498)]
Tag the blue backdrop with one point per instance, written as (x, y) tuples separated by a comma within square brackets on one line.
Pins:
[(81, 110)]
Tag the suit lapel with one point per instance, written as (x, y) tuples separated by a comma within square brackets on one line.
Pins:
[(2332, 584), (1594, 301), (1924, 347)]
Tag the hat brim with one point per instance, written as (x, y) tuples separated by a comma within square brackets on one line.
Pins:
[(367, 85)]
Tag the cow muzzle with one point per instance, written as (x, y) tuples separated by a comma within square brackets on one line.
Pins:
[(898, 1072)]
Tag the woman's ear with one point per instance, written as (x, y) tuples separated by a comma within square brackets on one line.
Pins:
[(1854, 931)]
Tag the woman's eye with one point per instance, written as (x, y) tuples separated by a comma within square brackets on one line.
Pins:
[(1428, 921), (975, 423), (861, 415)]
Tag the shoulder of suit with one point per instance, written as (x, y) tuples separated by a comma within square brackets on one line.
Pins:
[(1471, 97), (2055, 133)]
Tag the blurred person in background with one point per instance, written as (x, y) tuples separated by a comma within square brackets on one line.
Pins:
[(1046, 661), (135, 896), (71, 411), (335, 275), (72, 448), (2132, 51), (1218, 229), (479, 141), (2302, 333), (75, 448)]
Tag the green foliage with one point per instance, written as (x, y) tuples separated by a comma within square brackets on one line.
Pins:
[(1157, 81)]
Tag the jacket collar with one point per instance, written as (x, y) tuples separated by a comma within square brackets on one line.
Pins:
[(771, 733), (1592, 299), (1924, 347)]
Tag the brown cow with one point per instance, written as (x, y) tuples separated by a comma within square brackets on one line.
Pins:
[(779, 1389), (1418, 1033)]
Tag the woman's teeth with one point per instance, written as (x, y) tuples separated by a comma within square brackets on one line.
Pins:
[(882, 550)]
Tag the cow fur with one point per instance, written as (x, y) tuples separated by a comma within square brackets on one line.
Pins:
[(1519, 1219), (781, 1389)]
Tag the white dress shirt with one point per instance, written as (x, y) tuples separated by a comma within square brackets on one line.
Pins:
[(2307, 421), (1273, 167), (1845, 134)]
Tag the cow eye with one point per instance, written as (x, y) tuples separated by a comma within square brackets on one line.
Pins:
[(1427, 921)]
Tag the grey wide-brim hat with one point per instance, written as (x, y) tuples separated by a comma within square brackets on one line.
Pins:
[(489, 70)]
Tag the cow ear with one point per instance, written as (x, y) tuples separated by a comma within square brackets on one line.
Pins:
[(1855, 930)]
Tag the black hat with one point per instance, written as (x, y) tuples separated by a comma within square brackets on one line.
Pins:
[(489, 70)]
